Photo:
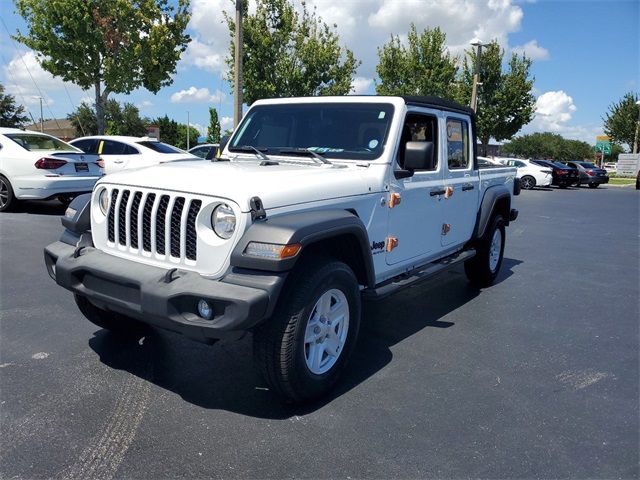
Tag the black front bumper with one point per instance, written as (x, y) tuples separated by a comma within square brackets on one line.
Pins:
[(241, 299)]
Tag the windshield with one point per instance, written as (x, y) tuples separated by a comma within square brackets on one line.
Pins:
[(160, 147), (34, 142), (354, 131)]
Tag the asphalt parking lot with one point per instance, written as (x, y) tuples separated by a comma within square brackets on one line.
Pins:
[(536, 376)]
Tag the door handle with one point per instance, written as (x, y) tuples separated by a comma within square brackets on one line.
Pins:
[(118, 161), (467, 186), (436, 191)]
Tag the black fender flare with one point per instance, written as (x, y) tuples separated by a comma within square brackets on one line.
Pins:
[(304, 228), (492, 196), (77, 221)]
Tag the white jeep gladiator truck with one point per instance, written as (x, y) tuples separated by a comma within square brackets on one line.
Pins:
[(313, 205)]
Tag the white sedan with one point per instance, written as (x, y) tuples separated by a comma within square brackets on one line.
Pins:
[(531, 175), (119, 152), (37, 166)]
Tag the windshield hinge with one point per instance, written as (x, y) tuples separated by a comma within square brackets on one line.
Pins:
[(257, 209)]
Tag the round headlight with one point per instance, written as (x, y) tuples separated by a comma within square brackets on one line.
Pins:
[(223, 221), (103, 201)]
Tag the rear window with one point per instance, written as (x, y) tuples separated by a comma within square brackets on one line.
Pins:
[(587, 164), (160, 147), (34, 142)]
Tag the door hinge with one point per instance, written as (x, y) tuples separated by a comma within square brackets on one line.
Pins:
[(392, 242), (394, 199), (446, 228)]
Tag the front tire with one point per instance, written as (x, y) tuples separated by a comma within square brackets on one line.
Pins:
[(114, 322), (594, 185), (7, 197), (527, 182), (305, 346), (483, 269)]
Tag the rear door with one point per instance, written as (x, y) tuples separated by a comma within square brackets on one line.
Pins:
[(117, 155), (461, 182)]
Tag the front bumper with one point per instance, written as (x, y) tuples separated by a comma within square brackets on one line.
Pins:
[(241, 299)]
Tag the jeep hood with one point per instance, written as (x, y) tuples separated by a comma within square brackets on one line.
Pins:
[(276, 185)]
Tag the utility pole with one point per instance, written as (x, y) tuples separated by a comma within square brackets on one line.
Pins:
[(635, 137), (188, 129), (41, 119), (476, 75), (237, 80)]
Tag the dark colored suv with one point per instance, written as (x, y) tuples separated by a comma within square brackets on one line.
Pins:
[(589, 173), (563, 176)]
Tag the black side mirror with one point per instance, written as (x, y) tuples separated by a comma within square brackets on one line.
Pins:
[(419, 156)]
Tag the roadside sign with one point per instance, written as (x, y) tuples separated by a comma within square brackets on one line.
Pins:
[(603, 144)]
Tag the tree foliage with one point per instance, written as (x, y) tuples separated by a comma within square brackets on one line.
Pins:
[(119, 120), (114, 46), (423, 67), (11, 114), (548, 145), (505, 101), (286, 53), (175, 133), (213, 131), (621, 121)]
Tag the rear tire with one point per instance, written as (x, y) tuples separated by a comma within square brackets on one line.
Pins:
[(7, 198), (527, 182), (594, 185), (305, 346), (483, 269), (114, 322)]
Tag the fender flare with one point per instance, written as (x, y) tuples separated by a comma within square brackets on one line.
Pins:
[(305, 228), (491, 197)]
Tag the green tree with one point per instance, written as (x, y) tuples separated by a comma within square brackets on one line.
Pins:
[(213, 131), (548, 145), (621, 121), (11, 115), (423, 67), (119, 120), (289, 54), (168, 130), (114, 46), (181, 140), (505, 101)]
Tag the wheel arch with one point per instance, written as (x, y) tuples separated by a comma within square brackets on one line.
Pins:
[(335, 232), (497, 199)]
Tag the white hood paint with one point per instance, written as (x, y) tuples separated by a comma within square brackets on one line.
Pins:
[(276, 185)]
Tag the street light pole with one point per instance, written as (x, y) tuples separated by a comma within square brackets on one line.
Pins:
[(188, 129), (237, 80), (635, 137), (476, 74), (41, 119)]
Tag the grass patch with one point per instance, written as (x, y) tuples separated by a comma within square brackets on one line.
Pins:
[(622, 181)]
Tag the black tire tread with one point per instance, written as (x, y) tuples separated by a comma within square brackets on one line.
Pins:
[(477, 269)]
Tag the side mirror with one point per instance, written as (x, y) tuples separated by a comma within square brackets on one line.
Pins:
[(419, 156)]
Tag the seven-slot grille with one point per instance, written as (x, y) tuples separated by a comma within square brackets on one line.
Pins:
[(163, 224)]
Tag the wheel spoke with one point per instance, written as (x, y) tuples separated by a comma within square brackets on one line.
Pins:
[(324, 304), (310, 335), (338, 312), (316, 353)]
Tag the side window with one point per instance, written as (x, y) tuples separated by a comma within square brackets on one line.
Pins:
[(111, 147), (129, 150), (520, 164), (419, 128), (87, 145), (457, 143)]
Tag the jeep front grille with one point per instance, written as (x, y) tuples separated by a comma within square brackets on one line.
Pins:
[(161, 224)]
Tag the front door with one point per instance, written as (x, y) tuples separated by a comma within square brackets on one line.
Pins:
[(461, 181), (415, 222)]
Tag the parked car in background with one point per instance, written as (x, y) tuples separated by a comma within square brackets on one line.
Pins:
[(531, 175), (589, 173), (563, 176), (486, 162), (203, 150), (119, 152), (36, 166)]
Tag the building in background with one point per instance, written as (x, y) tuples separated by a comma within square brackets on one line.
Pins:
[(59, 127)]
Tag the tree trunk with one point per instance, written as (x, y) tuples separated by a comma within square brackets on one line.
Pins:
[(101, 103)]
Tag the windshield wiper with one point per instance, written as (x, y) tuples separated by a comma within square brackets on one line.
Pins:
[(305, 151), (251, 148)]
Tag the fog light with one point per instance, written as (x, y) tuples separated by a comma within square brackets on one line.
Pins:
[(205, 310)]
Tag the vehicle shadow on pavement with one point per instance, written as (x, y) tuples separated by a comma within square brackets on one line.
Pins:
[(223, 376), (36, 207)]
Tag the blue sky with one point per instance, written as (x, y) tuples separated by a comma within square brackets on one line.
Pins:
[(585, 55)]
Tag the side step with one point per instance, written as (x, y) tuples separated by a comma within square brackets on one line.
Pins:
[(418, 275)]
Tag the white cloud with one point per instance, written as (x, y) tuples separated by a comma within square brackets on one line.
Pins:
[(532, 50), (193, 94), (205, 56), (554, 111), (361, 85), (226, 123)]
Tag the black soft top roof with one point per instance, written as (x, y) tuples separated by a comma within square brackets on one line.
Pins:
[(437, 102)]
